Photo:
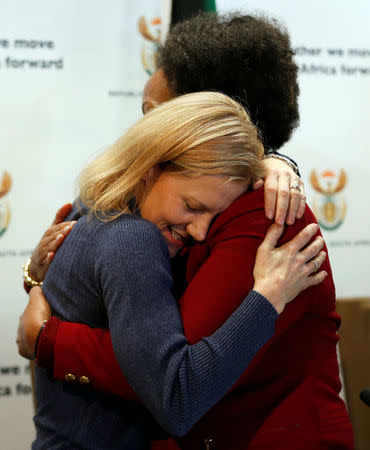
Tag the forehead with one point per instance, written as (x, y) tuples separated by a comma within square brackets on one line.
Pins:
[(157, 90), (213, 192)]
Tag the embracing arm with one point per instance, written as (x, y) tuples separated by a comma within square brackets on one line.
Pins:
[(176, 381), (77, 347)]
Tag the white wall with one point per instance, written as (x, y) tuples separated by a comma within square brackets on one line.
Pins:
[(52, 119), (334, 129)]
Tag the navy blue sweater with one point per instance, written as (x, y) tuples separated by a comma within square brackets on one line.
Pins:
[(117, 275)]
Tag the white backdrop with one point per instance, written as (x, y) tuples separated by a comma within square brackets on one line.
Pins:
[(332, 41), (71, 81)]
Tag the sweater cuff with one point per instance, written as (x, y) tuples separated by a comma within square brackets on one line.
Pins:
[(270, 311), (46, 344)]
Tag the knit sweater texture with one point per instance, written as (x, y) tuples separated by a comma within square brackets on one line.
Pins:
[(117, 275)]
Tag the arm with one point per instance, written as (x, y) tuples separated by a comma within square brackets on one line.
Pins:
[(177, 382), (77, 347)]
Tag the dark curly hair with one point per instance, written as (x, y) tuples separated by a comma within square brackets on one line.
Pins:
[(248, 58)]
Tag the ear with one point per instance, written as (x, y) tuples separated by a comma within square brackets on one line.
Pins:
[(152, 175)]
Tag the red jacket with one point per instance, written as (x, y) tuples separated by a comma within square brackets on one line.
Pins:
[(288, 397)]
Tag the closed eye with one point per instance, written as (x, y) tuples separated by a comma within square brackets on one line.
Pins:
[(192, 208)]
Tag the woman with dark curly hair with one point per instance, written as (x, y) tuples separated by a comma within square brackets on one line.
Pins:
[(288, 397), (246, 57)]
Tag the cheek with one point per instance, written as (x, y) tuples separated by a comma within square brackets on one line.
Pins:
[(174, 213), (172, 216)]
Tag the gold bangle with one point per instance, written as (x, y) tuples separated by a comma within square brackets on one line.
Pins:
[(26, 276)]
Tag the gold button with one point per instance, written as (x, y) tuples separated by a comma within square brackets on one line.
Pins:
[(84, 380), (70, 377)]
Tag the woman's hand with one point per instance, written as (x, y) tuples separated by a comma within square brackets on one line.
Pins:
[(282, 273), (30, 323), (285, 197), (44, 253)]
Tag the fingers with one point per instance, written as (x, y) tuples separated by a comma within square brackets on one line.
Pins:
[(295, 200), (271, 182), (304, 236), (281, 201), (43, 254), (312, 250), (302, 203), (317, 278), (283, 198), (53, 239), (314, 264), (273, 235), (258, 184), (62, 213)]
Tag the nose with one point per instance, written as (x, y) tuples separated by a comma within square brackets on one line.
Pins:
[(198, 227)]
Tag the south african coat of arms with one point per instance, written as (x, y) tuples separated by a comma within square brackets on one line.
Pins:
[(329, 205)]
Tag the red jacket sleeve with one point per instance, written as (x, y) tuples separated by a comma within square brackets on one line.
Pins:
[(85, 355)]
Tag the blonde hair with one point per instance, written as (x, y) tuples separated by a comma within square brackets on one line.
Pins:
[(203, 133)]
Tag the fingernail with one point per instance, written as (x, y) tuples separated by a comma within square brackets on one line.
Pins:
[(270, 215), (59, 237)]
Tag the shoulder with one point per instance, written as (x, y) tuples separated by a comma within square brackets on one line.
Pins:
[(129, 248), (131, 233), (244, 217), (247, 204)]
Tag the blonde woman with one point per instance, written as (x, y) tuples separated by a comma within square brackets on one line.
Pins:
[(144, 199)]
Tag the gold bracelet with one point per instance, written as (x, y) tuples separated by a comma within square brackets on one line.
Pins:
[(26, 276)]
